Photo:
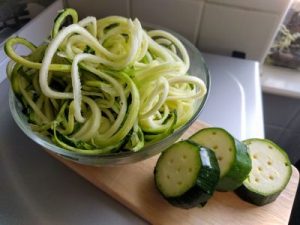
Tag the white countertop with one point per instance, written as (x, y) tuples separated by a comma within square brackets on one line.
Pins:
[(280, 81)]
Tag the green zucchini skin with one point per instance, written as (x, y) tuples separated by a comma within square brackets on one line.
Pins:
[(239, 171), (204, 187), (255, 198)]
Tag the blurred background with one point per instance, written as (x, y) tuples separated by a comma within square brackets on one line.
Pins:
[(16, 13)]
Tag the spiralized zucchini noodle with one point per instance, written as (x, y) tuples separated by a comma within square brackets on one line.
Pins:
[(104, 86)]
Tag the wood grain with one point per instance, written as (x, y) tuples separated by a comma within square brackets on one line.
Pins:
[(133, 186)]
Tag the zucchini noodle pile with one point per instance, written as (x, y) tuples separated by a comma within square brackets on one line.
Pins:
[(104, 86)]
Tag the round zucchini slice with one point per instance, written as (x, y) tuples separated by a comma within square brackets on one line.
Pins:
[(186, 174), (271, 172), (232, 156)]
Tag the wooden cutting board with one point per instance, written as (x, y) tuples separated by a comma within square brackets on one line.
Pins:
[(133, 186)]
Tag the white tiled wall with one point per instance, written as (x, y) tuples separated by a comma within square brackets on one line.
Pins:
[(100, 8), (183, 16), (217, 26), (273, 6)]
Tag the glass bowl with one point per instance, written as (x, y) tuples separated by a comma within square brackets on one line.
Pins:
[(197, 68)]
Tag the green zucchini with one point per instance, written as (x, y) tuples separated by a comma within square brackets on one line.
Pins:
[(186, 174), (271, 172), (160, 131), (233, 159)]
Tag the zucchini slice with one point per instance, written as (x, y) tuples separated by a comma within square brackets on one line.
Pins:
[(271, 172), (233, 159), (186, 174)]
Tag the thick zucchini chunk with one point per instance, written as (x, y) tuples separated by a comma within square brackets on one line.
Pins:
[(186, 174), (271, 172), (233, 159)]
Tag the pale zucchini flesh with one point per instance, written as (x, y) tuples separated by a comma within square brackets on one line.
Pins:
[(178, 169), (271, 171)]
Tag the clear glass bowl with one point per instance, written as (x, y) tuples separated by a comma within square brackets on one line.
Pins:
[(198, 68)]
